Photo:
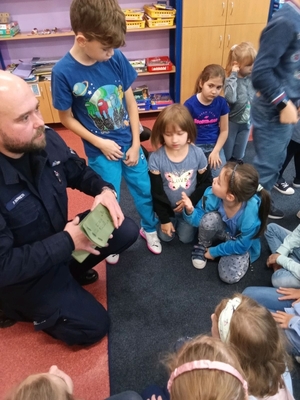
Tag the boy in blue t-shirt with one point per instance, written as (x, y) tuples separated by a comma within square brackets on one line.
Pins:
[(91, 88)]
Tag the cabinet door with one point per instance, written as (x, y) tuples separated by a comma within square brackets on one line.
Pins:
[(235, 34), (55, 115), (204, 12), (197, 52), (247, 11), (41, 93)]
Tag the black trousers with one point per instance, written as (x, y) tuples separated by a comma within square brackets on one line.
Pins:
[(61, 307), (293, 150)]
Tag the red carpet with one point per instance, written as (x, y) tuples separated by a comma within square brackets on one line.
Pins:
[(24, 351)]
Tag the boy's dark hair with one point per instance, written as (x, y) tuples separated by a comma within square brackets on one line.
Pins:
[(243, 184), (175, 114), (209, 72), (101, 20)]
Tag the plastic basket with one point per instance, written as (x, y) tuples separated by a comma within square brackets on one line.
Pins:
[(134, 14), (135, 24), (152, 23), (155, 13)]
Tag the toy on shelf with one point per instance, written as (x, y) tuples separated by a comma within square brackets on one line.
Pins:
[(134, 18), (158, 64), (9, 29), (139, 64), (141, 94), (160, 100)]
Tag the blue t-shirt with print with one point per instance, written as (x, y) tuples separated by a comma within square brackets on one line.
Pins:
[(207, 118), (95, 93)]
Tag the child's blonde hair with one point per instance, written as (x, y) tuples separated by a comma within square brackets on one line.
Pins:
[(101, 20), (210, 71), (244, 54), (243, 183), (258, 343), (172, 116), (38, 387), (205, 384)]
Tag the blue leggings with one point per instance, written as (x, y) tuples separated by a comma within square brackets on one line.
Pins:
[(137, 179)]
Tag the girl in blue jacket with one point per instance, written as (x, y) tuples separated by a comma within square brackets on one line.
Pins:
[(231, 216)]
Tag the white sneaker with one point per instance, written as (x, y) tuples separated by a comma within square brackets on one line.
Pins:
[(112, 258), (298, 214), (153, 242), (297, 358), (199, 264)]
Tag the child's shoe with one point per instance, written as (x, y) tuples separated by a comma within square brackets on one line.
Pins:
[(284, 188), (198, 259), (296, 183), (112, 258), (298, 214), (153, 242)]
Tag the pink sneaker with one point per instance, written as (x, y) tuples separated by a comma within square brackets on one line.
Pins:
[(153, 242)]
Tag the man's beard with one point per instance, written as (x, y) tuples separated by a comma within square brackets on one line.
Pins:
[(29, 147)]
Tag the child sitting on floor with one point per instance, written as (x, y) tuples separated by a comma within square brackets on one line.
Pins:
[(259, 346), (233, 211)]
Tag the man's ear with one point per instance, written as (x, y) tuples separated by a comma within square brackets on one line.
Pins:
[(80, 39)]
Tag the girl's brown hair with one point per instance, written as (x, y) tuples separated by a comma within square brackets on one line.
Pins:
[(101, 20), (205, 384), (38, 387), (172, 116), (210, 71), (244, 54), (259, 345), (243, 184)]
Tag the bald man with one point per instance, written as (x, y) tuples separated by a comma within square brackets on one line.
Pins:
[(39, 280)]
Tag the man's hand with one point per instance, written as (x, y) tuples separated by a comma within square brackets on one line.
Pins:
[(289, 294), (282, 318), (110, 149), (108, 199), (81, 242), (132, 156), (168, 229), (289, 115), (189, 208)]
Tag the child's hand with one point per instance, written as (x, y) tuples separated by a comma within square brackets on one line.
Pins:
[(168, 229), (272, 259), (235, 67), (289, 294), (289, 115), (110, 149), (132, 156), (180, 206), (208, 255), (214, 159), (282, 318), (189, 208)]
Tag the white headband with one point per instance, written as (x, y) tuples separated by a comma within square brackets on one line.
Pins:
[(225, 318)]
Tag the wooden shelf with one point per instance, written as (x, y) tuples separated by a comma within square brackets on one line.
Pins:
[(158, 73), (150, 111), (29, 36)]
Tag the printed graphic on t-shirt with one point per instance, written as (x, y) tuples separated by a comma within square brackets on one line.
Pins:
[(104, 105), (180, 180), (206, 118)]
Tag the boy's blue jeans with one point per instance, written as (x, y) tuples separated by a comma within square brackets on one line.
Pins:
[(275, 236), (270, 139), (138, 182)]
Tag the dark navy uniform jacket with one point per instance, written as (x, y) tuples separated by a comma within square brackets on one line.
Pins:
[(34, 249)]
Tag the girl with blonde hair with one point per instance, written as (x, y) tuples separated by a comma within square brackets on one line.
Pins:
[(239, 93), (259, 345)]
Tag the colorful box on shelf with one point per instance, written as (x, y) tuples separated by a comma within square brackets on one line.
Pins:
[(159, 64), (141, 92), (155, 22), (133, 14), (153, 12), (9, 29), (160, 100), (139, 64), (135, 24)]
